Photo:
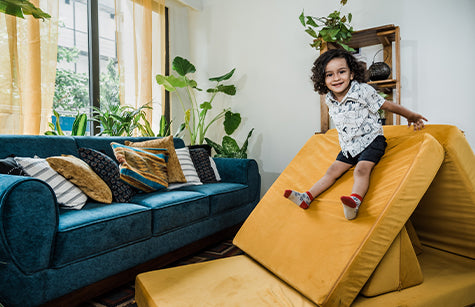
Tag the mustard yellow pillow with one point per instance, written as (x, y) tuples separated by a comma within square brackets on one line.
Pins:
[(81, 174), (175, 173)]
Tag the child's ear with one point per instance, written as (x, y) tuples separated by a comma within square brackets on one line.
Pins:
[(352, 75)]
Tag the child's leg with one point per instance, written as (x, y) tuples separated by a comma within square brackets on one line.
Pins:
[(361, 176), (332, 174)]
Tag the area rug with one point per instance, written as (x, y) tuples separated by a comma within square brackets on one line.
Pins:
[(125, 295)]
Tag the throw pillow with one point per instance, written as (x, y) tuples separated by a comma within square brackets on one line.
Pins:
[(144, 170), (10, 167), (215, 169), (67, 194), (188, 168), (106, 168), (200, 158), (175, 173), (82, 175)]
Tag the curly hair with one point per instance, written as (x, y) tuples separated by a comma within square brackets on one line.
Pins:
[(318, 70)]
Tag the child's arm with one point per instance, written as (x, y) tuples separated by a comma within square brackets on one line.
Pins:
[(412, 118)]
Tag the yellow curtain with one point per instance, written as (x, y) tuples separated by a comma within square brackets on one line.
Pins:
[(28, 50), (140, 26)]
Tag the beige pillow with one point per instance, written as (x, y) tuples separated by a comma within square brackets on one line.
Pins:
[(81, 174), (175, 173)]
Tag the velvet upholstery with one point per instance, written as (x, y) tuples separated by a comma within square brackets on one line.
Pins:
[(47, 251)]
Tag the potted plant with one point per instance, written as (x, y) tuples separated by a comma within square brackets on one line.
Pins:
[(331, 29), (195, 121), (229, 148)]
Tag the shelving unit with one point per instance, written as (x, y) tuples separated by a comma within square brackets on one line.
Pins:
[(385, 36)]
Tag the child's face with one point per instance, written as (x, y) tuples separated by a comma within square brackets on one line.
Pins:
[(338, 77)]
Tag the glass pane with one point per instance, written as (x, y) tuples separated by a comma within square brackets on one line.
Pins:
[(109, 79), (72, 88)]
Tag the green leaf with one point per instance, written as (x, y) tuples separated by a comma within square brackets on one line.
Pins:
[(350, 17), (79, 125), (223, 77), (230, 145), (19, 8), (311, 32), (227, 89), (231, 122), (171, 83), (343, 2), (205, 105), (218, 148), (311, 22), (182, 66), (346, 47), (302, 19)]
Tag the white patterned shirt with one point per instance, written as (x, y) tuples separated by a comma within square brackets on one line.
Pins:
[(356, 117)]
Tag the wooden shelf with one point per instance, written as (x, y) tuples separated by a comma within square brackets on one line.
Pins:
[(389, 83)]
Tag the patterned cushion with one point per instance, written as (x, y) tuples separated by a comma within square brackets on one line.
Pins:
[(188, 168), (108, 170), (67, 194), (143, 169), (175, 173), (10, 167), (83, 176), (200, 158), (215, 169)]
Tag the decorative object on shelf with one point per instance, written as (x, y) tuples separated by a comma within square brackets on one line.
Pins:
[(379, 70), (335, 28), (195, 114)]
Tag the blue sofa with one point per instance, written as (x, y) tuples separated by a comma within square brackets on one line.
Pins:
[(49, 254)]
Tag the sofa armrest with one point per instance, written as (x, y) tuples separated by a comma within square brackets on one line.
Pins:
[(28, 222), (244, 171)]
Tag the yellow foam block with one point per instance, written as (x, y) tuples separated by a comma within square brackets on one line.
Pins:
[(445, 216), (399, 269), (321, 254), (233, 281), (449, 280)]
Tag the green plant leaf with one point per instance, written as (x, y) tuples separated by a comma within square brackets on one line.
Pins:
[(346, 47), (182, 66), (231, 122), (223, 77), (19, 8), (350, 17), (206, 105), (171, 83), (230, 145), (227, 89), (79, 125), (311, 32), (311, 22), (218, 148), (302, 19)]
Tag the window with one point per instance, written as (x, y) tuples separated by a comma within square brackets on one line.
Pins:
[(87, 73)]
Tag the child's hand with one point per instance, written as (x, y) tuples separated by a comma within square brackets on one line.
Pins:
[(416, 120)]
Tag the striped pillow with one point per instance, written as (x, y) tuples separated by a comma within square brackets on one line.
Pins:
[(67, 194), (188, 169), (144, 169)]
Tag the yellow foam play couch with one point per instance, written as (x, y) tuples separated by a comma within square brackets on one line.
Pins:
[(411, 244)]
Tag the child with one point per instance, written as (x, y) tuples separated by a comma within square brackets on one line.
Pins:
[(353, 106)]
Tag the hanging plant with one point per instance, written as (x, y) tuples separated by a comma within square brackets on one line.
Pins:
[(331, 29), (19, 8)]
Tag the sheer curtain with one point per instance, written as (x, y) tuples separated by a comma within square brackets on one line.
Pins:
[(140, 26), (28, 50)]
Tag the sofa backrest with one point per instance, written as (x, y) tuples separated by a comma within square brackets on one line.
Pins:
[(45, 146)]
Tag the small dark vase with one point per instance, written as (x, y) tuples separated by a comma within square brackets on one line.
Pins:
[(379, 71), (205, 146)]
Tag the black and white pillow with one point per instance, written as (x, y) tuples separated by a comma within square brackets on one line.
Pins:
[(10, 167), (188, 168), (68, 195), (202, 163)]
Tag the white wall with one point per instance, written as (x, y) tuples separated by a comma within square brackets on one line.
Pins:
[(266, 43)]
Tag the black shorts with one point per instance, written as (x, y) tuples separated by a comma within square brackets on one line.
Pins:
[(372, 153)]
